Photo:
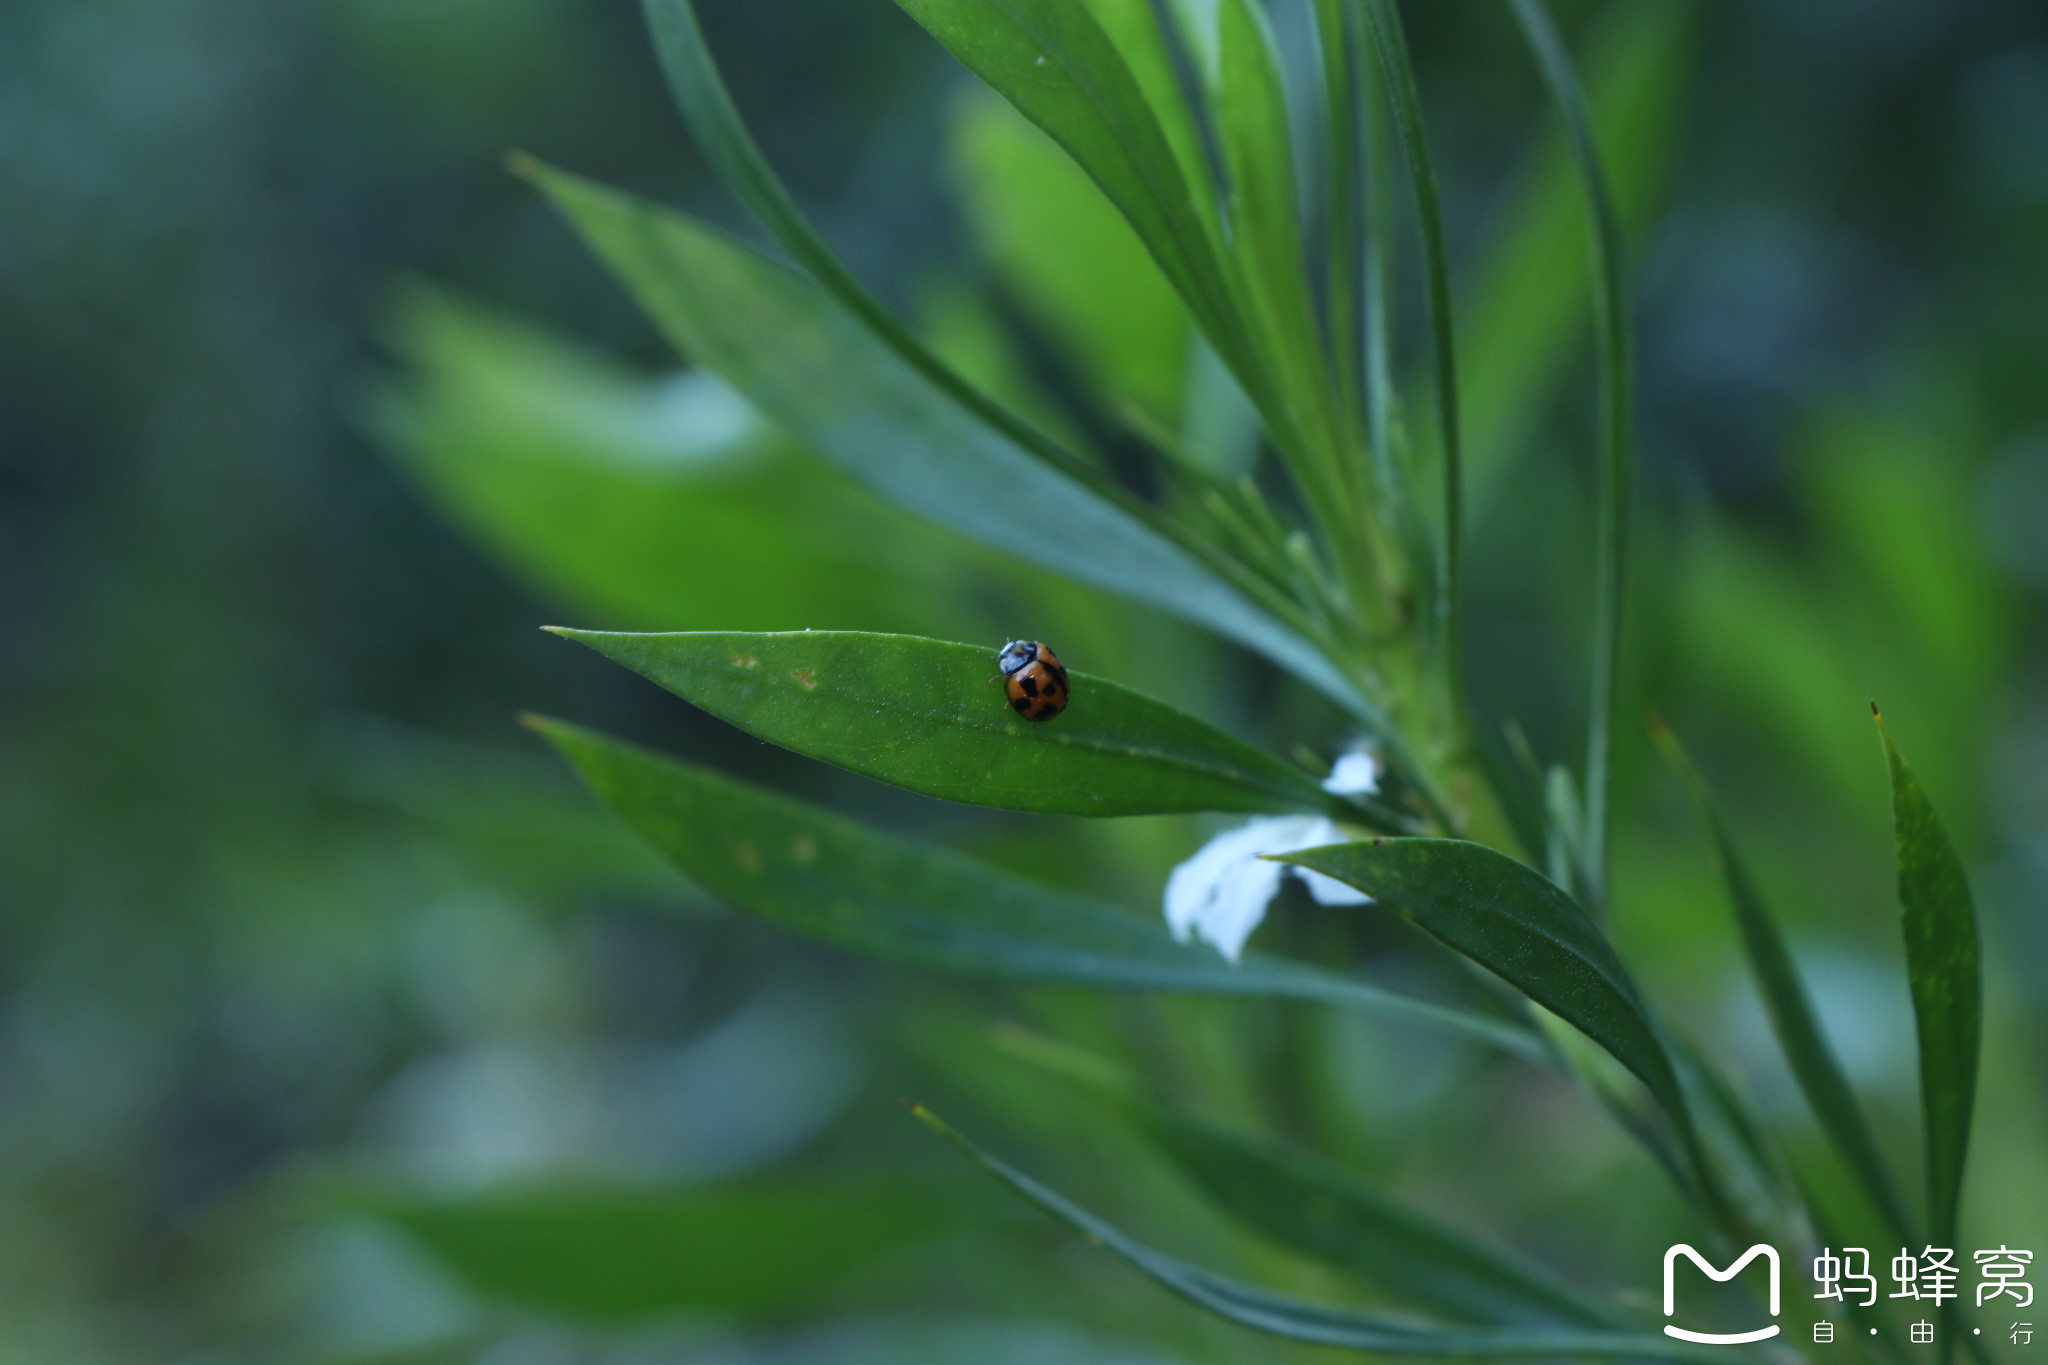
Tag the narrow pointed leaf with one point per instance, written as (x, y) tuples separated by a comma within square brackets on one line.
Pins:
[(1813, 1062), (1508, 918), (1948, 986), (1070, 259), (1322, 1324), (647, 500), (819, 875), (1134, 27), (1266, 240), (700, 93), (1397, 498), (1344, 253), (1528, 300), (1750, 1192), (1617, 365), (1390, 44), (1054, 61), (1511, 920), (1316, 1208), (927, 715), (814, 369)]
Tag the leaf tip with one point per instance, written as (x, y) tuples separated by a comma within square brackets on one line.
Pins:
[(1873, 709), (555, 732), (1666, 740), (929, 1119)]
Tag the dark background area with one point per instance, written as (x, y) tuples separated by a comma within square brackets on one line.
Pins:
[(228, 955)]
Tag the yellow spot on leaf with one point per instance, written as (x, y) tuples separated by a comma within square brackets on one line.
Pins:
[(746, 857), (804, 849)]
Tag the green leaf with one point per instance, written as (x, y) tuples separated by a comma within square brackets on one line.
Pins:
[(929, 716), (1342, 193), (1383, 18), (813, 368), (1813, 1062), (707, 106), (1056, 63), (1751, 1189), (1386, 434), (1267, 248), (621, 1253), (819, 875), (1529, 290), (1054, 60), (652, 500), (1297, 1320), (1316, 1208), (1617, 368), (1948, 983), (1509, 919), (1070, 258), (1134, 27)]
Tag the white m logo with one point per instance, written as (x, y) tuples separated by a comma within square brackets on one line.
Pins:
[(1671, 1256)]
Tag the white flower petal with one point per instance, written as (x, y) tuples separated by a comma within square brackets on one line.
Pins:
[(1239, 905), (1317, 831), (1325, 890), (1356, 773), (1220, 894), (1192, 886), (1330, 891)]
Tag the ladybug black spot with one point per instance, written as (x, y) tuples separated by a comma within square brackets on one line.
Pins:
[(1034, 679)]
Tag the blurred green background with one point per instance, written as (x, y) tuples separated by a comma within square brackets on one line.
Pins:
[(337, 1025)]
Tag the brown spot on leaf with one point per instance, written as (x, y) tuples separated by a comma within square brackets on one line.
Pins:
[(806, 678), (745, 661), (804, 848), (746, 857)]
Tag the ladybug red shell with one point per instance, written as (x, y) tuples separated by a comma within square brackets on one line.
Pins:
[(1035, 679)]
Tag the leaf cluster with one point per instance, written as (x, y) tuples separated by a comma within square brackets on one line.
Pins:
[(1335, 554)]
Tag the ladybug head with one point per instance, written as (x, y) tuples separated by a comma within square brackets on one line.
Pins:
[(1015, 655)]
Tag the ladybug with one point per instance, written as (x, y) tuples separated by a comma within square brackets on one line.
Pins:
[(1035, 679)]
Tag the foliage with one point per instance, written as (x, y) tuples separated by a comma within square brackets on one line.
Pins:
[(288, 901), (1349, 576)]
